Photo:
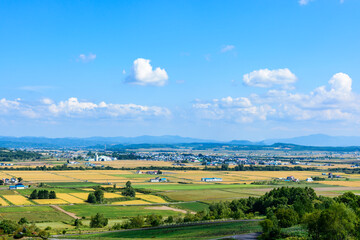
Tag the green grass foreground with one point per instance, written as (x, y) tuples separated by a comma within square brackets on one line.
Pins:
[(186, 232)]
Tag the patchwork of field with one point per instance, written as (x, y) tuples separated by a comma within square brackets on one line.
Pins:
[(120, 177), (144, 163)]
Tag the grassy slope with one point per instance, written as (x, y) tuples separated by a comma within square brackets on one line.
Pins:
[(193, 206), (115, 212), (33, 214), (186, 232)]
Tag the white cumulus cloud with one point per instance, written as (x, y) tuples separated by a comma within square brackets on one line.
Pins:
[(143, 74), (332, 102), (75, 108), (266, 78)]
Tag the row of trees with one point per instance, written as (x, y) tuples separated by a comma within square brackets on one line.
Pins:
[(42, 194)]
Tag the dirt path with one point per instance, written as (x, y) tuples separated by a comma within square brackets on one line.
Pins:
[(66, 212), (168, 208)]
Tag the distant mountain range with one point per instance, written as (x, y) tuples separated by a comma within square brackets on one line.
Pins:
[(318, 140), (310, 140)]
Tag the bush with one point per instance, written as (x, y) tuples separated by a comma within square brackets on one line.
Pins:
[(154, 220), (116, 226), (135, 222), (98, 221), (91, 198)]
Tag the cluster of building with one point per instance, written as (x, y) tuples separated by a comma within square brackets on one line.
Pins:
[(213, 179), (158, 179), (10, 181), (6, 164), (152, 172), (101, 158)]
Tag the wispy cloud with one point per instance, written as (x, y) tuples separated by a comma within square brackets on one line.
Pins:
[(227, 48), (305, 2), (207, 57), (87, 58), (35, 88)]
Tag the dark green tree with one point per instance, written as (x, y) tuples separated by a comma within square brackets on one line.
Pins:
[(98, 221), (336, 222), (287, 217), (23, 221), (34, 194), (154, 220), (91, 198), (99, 194), (52, 195)]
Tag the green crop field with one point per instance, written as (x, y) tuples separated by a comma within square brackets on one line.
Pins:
[(186, 232), (116, 212), (192, 206), (33, 214)]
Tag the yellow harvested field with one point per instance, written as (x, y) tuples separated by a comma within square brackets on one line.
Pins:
[(40, 176), (342, 183), (150, 198), (50, 201), (17, 199), (88, 189), (69, 198), (3, 202), (132, 202), (83, 196)]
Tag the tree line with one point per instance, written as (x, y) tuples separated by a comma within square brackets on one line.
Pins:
[(42, 194)]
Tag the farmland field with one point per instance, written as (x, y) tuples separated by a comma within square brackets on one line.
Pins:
[(17, 199), (207, 231), (115, 212), (35, 214), (184, 192)]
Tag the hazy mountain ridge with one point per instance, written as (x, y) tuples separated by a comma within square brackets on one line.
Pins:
[(320, 140)]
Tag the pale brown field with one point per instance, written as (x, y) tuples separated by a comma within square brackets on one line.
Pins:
[(342, 183)]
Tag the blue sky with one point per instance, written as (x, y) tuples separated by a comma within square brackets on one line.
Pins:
[(208, 69)]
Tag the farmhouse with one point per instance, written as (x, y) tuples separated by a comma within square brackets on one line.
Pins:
[(214, 179), (157, 179), (17, 186)]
